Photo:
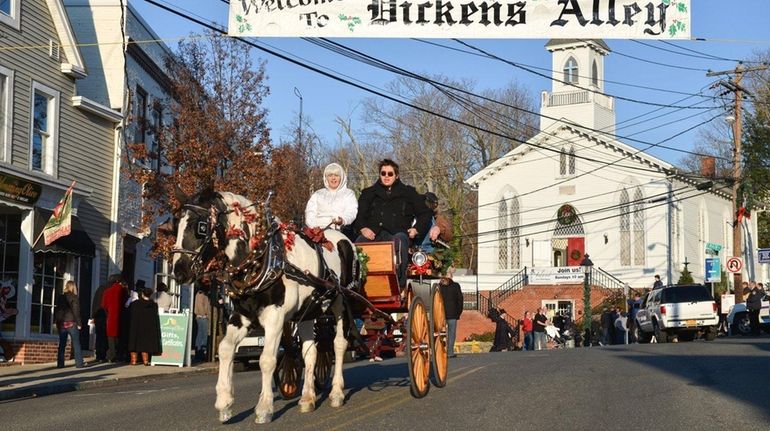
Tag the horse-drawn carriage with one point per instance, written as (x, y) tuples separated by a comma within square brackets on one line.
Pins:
[(305, 288)]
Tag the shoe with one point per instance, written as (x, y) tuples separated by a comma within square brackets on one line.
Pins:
[(377, 359), (84, 365), (134, 357), (145, 358), (371, 359)]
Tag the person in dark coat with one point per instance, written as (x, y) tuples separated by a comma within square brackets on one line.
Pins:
[(69, 323), (754, 305), (144, 329), (453, 308), (100, 324), (503, 332), (112, 302), (386, 211)]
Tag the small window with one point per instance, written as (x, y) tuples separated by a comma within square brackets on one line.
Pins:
[(572, 160), (9, 13), (6, 98), (595, 74), (45, 116), (141, 115), (571, 71), (562, 163)]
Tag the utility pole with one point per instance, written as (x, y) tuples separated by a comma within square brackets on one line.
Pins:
[(299, 126), (734, 85)]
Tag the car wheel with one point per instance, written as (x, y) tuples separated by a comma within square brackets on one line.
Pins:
[(661, 336), (711, 333), (741, 324)]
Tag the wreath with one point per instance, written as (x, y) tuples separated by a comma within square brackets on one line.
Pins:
[(566, 215), (575, 254)]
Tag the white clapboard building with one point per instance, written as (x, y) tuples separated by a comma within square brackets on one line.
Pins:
[(575, 188)]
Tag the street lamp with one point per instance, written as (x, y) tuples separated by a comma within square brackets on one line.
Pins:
[(586, 264)]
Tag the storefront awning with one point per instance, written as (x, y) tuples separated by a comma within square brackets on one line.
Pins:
[(77, 242)]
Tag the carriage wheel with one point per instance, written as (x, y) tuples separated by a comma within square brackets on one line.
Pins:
[(438, 340), (323, 369), (418, 348), (288, 372)]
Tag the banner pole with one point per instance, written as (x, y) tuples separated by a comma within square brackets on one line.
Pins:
[(37, 239)]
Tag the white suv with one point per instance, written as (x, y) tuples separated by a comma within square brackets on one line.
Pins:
[(677, 311)]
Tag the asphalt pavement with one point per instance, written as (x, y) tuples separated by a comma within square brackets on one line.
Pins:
[(698, 385)]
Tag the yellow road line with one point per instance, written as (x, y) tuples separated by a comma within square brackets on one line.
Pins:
[(401, 401)]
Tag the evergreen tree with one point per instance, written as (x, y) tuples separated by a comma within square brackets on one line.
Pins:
[(686, 277)]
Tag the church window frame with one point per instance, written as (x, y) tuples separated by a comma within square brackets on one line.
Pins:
[(571, 70), (625, 228), (595, 74)]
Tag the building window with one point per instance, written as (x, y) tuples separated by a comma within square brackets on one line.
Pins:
[(141, 115), (625, 229), (10, 237), (639, 245), (10, 12), (572, 160), (6, 100), (595, 74), (50, 273), (515, 257), (567, 161), (562, 163), (502, 233), (571, 71), (45, 115), (157, 125)]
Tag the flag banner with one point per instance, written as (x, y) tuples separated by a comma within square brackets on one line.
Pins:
[(532, 19), (60, 223)]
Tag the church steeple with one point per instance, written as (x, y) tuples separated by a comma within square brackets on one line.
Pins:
[(577, 94)]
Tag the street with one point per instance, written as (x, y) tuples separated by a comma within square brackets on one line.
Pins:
[(658, 386)]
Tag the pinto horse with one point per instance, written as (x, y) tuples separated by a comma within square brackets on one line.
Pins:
[(272, 274)]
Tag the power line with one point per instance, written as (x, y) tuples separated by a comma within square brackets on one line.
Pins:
[(704, 57)]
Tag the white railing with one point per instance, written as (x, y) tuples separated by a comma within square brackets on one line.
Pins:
[(576, 97)]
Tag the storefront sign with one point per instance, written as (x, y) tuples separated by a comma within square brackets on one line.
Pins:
[(173, 334), (563, 19), (560, 275), (18, 190)]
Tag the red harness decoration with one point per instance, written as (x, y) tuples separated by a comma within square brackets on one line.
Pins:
[(288, 230), (316, 234), (234, 232)]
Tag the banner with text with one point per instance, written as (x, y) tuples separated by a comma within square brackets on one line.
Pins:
[(558, 275), (533, 19)]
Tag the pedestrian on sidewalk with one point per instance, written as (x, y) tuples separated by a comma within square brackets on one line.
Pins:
[(99, 315), (527, 328), (112, 302), (621, 328), (754, 305), (503, 332), (202, 310), (453, 308), (539, 323), (68, 322), (163, 298), (144, 332)]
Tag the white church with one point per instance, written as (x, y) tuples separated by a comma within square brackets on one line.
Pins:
[(574, 189)]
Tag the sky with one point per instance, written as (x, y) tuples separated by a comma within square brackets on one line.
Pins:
[(737, 32)]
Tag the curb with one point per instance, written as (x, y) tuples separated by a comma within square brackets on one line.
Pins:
[(61, 387)]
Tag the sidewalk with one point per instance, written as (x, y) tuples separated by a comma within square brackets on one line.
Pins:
[(23, 381)]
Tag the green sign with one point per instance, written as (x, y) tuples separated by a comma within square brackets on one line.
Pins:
[(18, 190), (173, 333)]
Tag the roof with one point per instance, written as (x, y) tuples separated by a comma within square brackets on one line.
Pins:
[(558, 42), (76, 66)]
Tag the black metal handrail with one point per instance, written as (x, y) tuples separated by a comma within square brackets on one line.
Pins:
[(600, 277), (519, 280)]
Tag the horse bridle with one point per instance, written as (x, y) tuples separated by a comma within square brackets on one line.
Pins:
[(212, 215)]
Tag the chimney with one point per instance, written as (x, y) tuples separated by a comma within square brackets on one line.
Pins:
[(708, 167)]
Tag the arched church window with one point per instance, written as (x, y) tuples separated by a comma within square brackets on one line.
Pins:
[(515, 255), (595, 74), (572, 160), (562, 163), (639, 245), (502, 235), (625, 229), (571, 71)]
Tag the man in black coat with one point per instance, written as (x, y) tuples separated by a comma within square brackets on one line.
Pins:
[(754, 305), (453, 308), (386, 211)]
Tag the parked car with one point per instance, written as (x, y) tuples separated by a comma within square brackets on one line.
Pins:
[(247, 352), (677, 311), (738, 318)]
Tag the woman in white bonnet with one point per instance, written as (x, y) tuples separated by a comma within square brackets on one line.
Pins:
[(334, 205)]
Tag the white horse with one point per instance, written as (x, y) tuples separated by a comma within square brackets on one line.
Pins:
[(253, 245)]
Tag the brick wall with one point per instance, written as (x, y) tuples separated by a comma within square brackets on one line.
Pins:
[(37, 352), (472, 322), (530, 298)]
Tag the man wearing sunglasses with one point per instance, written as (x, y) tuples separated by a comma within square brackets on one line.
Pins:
[(386, 211)]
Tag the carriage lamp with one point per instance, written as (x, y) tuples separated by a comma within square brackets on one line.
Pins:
[(586, 264), (419, 258)]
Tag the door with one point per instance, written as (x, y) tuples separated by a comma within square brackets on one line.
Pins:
[(575, 250)]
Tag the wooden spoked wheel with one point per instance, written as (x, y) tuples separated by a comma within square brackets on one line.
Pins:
[(323, 369), (438, 339), (288, 372), (418, 348)]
